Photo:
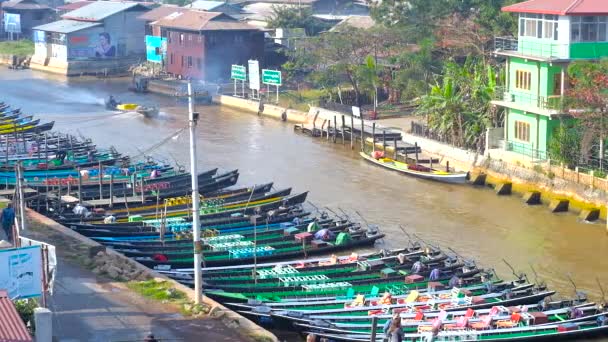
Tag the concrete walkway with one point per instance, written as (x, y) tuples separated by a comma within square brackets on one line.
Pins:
[(89, 309)]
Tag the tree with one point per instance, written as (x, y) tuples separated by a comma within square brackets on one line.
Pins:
[(587, 101), (458, 104), (565, 145), (294, 17)]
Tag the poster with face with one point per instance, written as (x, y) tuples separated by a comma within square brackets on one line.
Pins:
[(104, 48)]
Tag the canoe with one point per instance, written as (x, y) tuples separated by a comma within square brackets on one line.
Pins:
[(418, 170)]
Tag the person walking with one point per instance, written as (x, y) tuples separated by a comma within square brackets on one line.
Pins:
[(8, 219), (395, 333)]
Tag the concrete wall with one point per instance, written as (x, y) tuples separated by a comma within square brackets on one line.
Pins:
[(266, 109), (87, 67)]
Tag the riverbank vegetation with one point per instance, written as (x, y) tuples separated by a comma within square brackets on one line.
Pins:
[(436, 57), (19, 48)]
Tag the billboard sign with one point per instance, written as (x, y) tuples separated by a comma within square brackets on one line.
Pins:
[(238, 72), (254, 75), (21, 272), (156, 49), (271, 77), (95, 45), (12, 22)]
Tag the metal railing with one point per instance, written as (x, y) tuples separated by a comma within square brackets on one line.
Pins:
[(532, 47), (527, 150), (552, 102)]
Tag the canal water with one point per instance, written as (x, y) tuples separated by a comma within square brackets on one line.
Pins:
[(473, 221)]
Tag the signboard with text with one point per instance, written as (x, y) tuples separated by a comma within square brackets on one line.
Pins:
[(254, 75), (21, 272), (271, 77), (238, 72)]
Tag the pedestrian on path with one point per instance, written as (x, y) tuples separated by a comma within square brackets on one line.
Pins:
[(8, 219)]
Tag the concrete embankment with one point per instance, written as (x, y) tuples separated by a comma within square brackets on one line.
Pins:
[(584, 192), (116, 266)]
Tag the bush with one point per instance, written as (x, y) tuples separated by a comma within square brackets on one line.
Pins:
[(18, 48), (25, 308)]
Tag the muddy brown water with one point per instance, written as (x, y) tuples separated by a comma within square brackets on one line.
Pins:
[(473, 221)]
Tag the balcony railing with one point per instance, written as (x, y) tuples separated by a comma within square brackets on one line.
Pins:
[(532, 47), (527, 150), (552, 102)]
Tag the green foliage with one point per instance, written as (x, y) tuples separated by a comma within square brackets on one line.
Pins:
[(565, 145), (293, 17), (25, 308), (19, 48), (157, 290), (458, 104)]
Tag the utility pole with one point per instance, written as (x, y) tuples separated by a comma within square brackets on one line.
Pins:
[(196, 229), (21, 228)]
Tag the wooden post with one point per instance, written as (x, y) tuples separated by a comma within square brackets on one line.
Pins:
[(384, 142), (395, 148), (335, 128), (111, 190), (416, 151), (79, 186), (328, 128), (373, 137), (6, 148), (142, 190), (431, 162), (46, 151), (100, 176), (374, 327), (322, 127), (362, 135), (352, 129), (447, 166), (38, 146), (343, 131)]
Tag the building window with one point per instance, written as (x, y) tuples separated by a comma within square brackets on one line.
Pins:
[(38, 15), (199, 64), (523, 79), (200, 39), (171, 58), (538, 26), (181, 39), (522, 131), (182, 60), (588, 29), (189, 61)]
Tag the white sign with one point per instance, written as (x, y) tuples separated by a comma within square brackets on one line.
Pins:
[(254, 75), (356, 112), (51, 260), (21, 272)]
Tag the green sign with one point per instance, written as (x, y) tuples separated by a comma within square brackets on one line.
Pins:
[(271, 77), (238, 72)]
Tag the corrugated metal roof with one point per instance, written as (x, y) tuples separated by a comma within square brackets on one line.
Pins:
[(12, 328), (356, 21), (66, 26), (100, 10), (24, 5), (206, 5), (74, 5), (560, 7), (160, 12), (195, 20)]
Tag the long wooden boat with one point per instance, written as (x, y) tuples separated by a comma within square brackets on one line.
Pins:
[(419, 171), (567, 331), (264, 254)]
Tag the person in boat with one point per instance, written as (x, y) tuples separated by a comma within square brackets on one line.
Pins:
[(454, 281), (112, 102), (324, 234), (487, 283), (150, 338), (417, 267), (109, 219), (435, 274), (602, 320), (343, 238), (296, 221), (311, 338), (81, 211)]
